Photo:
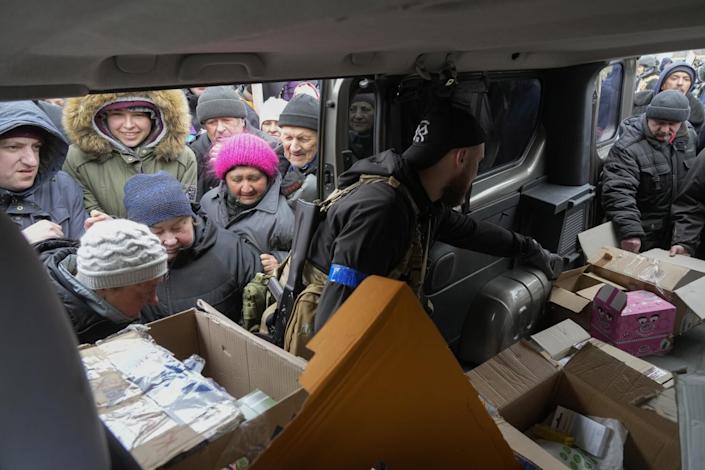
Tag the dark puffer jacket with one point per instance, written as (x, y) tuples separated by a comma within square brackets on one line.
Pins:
[(689, 210), (641, 178), (92, 317), (697, 110), (54, 196), (215, 268)]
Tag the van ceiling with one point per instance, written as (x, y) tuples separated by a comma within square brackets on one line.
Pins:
[(76, 46)]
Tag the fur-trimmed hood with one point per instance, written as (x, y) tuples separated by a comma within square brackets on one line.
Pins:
[(80, 125)]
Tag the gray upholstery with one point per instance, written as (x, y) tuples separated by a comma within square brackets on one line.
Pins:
[(47, 415)]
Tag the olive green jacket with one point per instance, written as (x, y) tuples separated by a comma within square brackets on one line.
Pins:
[(102, 166)]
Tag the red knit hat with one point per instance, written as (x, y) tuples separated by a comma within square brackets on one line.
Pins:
[(245, 150)]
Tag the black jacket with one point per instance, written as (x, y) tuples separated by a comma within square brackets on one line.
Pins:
[(688, 210), (92, 317), (371, 229), (215, 268), (641, 178), (269, 225)]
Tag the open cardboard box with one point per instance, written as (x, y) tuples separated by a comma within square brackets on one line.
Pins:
[(680, 285), (241, 363), (679, 279), (525, 387), (572, 294)]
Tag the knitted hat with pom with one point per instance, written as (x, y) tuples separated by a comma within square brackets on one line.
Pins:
[(246, 150), (119, 253)]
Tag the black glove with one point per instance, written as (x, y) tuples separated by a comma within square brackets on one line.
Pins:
[(534, 254)]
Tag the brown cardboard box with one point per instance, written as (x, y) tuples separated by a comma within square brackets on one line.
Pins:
[(383, 386), (679, 284), (241, 363), (525, 387), (679, 279), (572, 294)]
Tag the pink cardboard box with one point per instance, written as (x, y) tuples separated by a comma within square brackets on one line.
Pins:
[(638, 322)]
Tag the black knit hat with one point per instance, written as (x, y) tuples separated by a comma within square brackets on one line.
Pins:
[(669, 105), (444, 128), (218, 102), (301, 111)]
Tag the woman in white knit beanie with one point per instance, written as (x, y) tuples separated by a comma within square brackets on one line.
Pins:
[(123, 261), (106, 281)]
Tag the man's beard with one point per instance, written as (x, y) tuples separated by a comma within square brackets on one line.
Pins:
[(455, 192)]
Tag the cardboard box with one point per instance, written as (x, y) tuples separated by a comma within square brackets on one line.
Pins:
[(384, 387), (567, 337), (678, 279), (241, 363), (638, 322), (572, 296), (526, 387), (680, 285)]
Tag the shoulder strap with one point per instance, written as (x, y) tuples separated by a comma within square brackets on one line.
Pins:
[(339, 193)]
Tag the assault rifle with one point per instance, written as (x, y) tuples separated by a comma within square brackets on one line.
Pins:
[(307, 215)]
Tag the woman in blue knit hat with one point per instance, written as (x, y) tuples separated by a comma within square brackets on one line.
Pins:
[(205, 261)]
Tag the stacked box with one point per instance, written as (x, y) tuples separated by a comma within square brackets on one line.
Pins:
[(638, 322)]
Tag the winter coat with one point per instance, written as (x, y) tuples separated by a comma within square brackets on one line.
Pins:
[(202, 145), (688, 211), (215, 268), (302, 183), (697, 110), (91, 316), (371, 229), (641, 178), (54, 196), (54, 113), (102, 165), (269, 226)]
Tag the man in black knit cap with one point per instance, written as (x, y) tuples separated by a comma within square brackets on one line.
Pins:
[(398, 205), (645, 171)]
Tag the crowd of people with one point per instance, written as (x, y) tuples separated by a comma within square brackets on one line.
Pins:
[(140, 203), (653, 178)]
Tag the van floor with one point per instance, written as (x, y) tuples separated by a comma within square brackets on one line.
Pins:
[(688, 354)]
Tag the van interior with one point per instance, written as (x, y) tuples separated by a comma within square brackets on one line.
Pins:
[(549, 80)]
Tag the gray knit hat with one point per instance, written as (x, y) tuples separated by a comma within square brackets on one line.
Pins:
[(669, 105), (119, 253), (218, 102), (301, 111)]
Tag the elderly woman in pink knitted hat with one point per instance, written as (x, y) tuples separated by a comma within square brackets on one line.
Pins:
[(247, 201)]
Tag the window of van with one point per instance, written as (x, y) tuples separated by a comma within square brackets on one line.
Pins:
[(608, 102), (361, 117), (508, 110)]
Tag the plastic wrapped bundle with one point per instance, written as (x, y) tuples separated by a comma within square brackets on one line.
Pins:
[(157, 406)]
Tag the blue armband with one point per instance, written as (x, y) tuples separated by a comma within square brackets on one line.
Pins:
[(346, 276)]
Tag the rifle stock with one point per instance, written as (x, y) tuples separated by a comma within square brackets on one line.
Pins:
[(307, 216)]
